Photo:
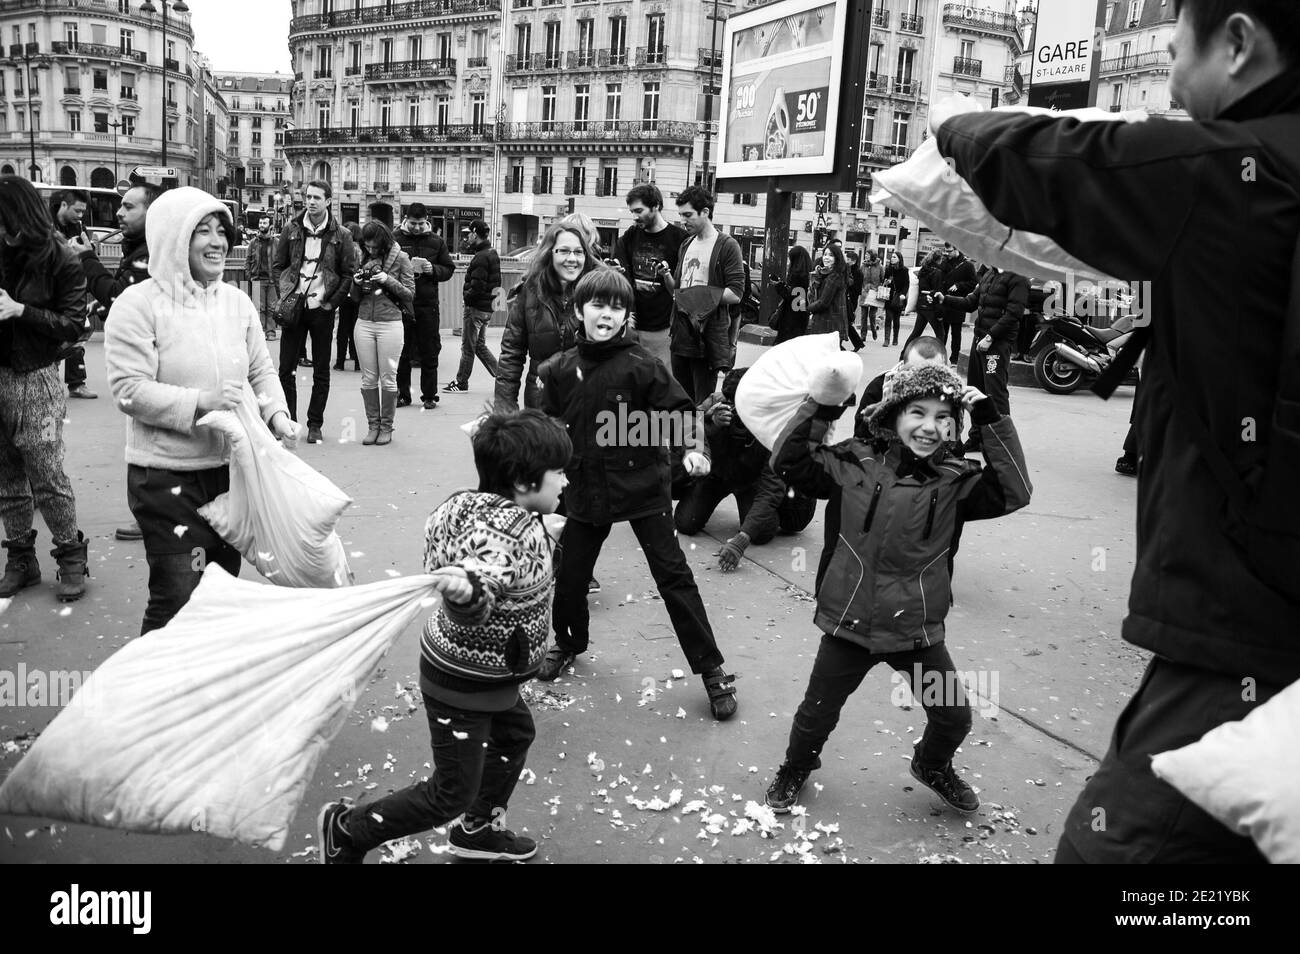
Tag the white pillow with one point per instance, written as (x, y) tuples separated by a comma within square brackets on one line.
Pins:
[(926, 187), (782, 378), (1247, 775)]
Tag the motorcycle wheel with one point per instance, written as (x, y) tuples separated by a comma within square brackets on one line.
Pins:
[(1054, 374)]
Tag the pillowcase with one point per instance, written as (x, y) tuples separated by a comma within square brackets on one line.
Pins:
[(785, 375)]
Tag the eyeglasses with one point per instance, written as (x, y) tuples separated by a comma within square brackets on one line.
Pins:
[(570, 253)]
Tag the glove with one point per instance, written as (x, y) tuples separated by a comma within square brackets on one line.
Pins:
[(731, 552), (832, 412)]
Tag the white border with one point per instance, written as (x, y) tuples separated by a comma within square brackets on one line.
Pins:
[(804, 165)]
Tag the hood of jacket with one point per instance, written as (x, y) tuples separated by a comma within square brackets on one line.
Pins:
[(172, 218), (601, 350)]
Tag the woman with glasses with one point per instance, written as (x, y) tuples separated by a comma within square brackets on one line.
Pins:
[(383, 288), (541, 321)]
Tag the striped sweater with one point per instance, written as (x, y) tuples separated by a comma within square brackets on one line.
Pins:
[(497, 639)]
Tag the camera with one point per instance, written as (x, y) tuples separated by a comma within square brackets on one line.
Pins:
[(364, 276)]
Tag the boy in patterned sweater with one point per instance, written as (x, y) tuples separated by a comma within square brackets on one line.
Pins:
[(490, 556)]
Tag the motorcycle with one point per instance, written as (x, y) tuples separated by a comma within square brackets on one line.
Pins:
[(1068, 354)]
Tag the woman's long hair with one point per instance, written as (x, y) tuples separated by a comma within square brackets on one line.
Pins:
[(29, 245), (840, 265), (541, 277), (376, 231), (799, 269)]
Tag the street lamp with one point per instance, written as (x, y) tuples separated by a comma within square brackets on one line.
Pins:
[(115, 125), (708, 96), (29, 54), (180, 7)]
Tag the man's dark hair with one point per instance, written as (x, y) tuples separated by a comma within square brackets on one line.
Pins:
[(519, 448), (698, 198), (417, 210), (149, 190), (69, 196), (322, 185), (648, 194), (603, 285), (926, 346), (1280, 17)]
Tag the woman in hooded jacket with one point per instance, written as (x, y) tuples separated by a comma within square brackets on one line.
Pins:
[(384, 282), (42, 308), (541, 321), (177, 346)]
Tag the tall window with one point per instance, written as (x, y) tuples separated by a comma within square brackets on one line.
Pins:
[(650, 107), (478, 110), (523, 43), (385, 113), (439, 172), (324, 61), (967, 50), (545, 177), (414, 47), (354, 61), (903, 74), (516, 183), (381, 173), (645, 169), (408, 172), (578, 178), (581, 105), (171, 93), (444, 49), (548, 104), (868, 128), (354, 115), (386, 51), (99, 79), (70, 34), (552, 44), (74, 120), (126, 41), (586, 41), (413, 113), (473, 175), (101, 122), (654, 43), (618, 39), (613, 101), (128, 85), (128, 125), (322, 115), (609, 177), (478, 45), (901, 122)]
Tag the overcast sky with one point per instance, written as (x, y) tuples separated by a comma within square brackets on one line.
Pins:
[(242, 36)]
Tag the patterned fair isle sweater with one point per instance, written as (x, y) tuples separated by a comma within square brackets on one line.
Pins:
[(495, 641)]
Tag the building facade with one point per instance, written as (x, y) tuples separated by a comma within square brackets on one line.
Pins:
[(258, 107), (211, 129), (93, 85), (1135, 58)]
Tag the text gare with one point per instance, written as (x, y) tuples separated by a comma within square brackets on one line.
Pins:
[(1063, 60)]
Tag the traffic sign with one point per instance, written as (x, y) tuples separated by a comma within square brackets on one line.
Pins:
[(124, 186), (154, 172)]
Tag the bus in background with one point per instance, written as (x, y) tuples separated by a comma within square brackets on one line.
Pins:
[(100, 219)]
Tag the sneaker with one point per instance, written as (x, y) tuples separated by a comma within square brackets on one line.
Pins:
[(455, 388), (785, 788), (403, 400), (314, 435), (722, 693), (429, 405), (130, 532), (489, 844), (335, 847), (556, 661), (1126, 466), (593, 586), (948, 785), (83, 392), (305, 363)]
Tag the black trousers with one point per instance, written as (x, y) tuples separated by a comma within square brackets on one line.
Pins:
[(988, 371), (74, 367), (953, 324), (162, 500), (423, 343), (1125, 815), (477, 758), (694, 376), (318, 325), (702, 498), (840, 668), (344, 342), (892, 316), (931, 322), (571, 616)]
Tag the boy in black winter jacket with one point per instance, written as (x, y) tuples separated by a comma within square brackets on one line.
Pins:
[(626, 415), (884, 592)]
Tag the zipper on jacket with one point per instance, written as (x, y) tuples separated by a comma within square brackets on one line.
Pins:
[(871, 511), (929, 520)]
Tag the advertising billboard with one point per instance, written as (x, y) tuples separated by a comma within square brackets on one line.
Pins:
[(781, 71), (1066, 41)]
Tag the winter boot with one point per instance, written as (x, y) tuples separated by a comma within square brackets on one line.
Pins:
[(370, 398), (387, 408), (72, 569), (21, 569)]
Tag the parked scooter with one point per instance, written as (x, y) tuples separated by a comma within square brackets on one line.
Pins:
[(1069, 354)]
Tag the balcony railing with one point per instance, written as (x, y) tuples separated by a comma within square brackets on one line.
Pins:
[(323, 74), (876, 152), (653, 56), (436, 133), (963, 15), (411, 69), (381, 185), (128, 92), (437, 187), (877, 83), (1138, 61), (520, 4), (1012, 76), (535, 62), (472, 187), (98, 50), (352, 70), (906, 87), (173, 65), (638, 130), (880, 17), (580, 60), (67, 91), (476, 62), (706, 58), (965, 66), (408, 186), (393, 12), (350, 185), (911, 22)]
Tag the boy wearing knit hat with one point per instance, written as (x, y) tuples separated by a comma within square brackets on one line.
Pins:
[(884, 590)]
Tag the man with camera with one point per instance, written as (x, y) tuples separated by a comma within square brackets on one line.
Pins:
[(433, 264)]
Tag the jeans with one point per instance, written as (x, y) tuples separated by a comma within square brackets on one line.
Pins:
[(160, 501), (694, 376), (423, 341), (838, 671), (1147, 820), (477, 758), (571, 616), (317, 324), (74, 367), (702, 498), (378, 346), (265, 296), (988, 371), (473, 343), (33, 405), (344, 342), (869, 313)]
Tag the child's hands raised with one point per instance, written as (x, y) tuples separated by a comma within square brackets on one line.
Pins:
[(453, 583), (970, 394)]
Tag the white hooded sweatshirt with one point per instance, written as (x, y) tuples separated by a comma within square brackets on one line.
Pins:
[(168, 338)]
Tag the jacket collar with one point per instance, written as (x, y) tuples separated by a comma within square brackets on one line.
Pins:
[(904, 463), (318, 230), (1279, 95), (600, 350)]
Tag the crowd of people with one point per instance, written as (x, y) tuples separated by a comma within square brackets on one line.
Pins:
[(651, 329)]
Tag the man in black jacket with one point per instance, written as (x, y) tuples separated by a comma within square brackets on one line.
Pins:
[(68, 208), (999, 302), (433, 264), (958, 279), (482, 285), (1208, 213), (104, 286)]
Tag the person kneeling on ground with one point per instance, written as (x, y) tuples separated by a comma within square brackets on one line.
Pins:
[(883, 591), (490, 556), (738, 467), (623, 473)]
